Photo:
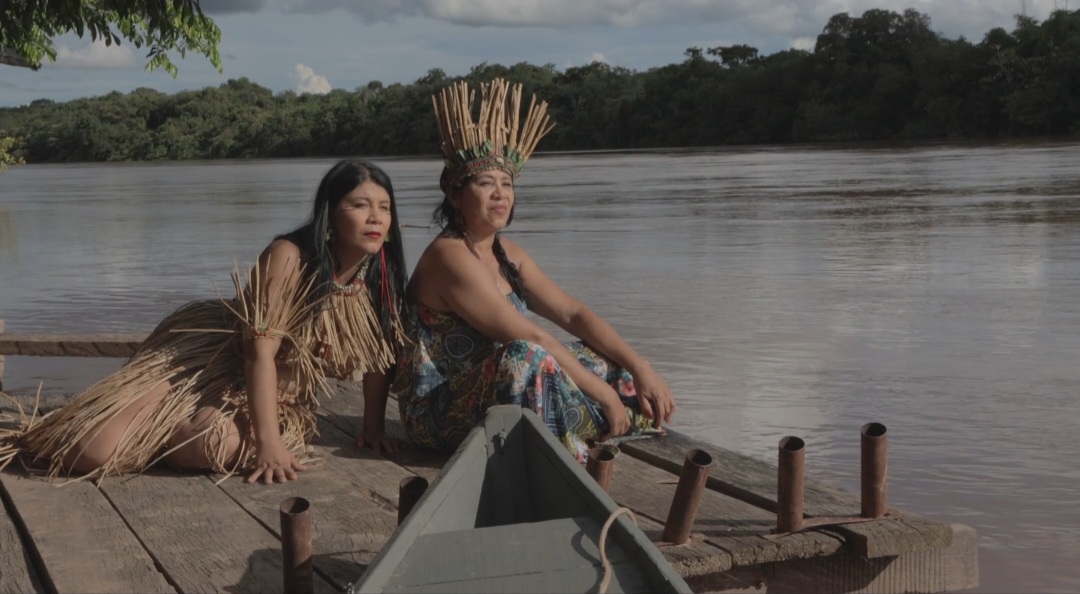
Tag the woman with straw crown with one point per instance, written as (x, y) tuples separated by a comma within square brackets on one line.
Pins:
[(231, 385), (472, 344)]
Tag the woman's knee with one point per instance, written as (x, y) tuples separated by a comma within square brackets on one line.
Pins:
[(89, 455), (197, 443)]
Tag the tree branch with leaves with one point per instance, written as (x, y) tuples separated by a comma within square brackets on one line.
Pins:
[(27, 27)]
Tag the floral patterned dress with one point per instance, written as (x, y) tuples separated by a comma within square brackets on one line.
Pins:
[(451, 375)]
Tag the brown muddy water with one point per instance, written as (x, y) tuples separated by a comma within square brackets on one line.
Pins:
[(780, 291)]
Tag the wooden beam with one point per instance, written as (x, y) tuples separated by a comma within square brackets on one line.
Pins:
[(948, 569), (70, 345)]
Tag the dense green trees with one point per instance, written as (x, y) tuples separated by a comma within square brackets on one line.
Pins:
[(882, 75)]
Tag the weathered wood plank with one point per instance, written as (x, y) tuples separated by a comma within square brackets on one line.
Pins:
[(694, 558), (199, 536), (70, 345), (894, 535), (353, 497), (16, 564), (948, 569), (345, 409), (83, 544)]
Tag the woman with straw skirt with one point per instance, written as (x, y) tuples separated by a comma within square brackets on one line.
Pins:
[(230, 385), (473, 345)]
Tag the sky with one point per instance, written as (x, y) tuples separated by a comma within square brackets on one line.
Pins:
[(313, 46)]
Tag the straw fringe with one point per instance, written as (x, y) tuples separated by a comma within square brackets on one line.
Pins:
[(350, 333), (198, 352)]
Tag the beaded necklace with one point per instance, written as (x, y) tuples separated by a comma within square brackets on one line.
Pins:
[(353, 286)]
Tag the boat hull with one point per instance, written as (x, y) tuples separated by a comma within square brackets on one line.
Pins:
[(512, 511)]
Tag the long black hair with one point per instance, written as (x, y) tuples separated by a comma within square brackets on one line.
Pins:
[(448, 218), (385, 278)]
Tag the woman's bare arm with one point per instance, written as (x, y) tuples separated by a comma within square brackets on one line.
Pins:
[(279, 263), (548, 300), (376, 394)]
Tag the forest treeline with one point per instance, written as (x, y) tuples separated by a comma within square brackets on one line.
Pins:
[(880, 76)]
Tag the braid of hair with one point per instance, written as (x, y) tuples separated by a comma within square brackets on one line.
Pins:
[(507, 268)]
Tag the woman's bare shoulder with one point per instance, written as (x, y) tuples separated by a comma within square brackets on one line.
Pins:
[(514, 251), (443, 251), (282, 248), (281, 255)]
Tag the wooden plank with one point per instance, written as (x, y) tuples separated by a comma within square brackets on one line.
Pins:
[(930, 570), (353, 498), (736, 527), (345, 409), (82, 543), (754, 481), (16, 562), (200, 537), (70, 345), (694, 558)]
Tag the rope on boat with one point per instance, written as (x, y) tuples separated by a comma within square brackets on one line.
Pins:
[(603, 545)]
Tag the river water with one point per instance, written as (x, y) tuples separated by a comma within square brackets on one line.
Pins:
[(780, 291)]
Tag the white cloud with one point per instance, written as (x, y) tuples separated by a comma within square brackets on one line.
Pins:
[(804, 43), (791, 18), (95, 55), (597, 57), (310, 82)]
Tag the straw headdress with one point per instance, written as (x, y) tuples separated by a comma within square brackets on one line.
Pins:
[(500, 138)]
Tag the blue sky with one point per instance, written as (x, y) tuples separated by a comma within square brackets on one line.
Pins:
[(317, 45)]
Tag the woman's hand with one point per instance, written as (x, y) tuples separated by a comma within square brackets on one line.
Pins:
[(654, 396), (617, 417), (380, 442), (274, 463)]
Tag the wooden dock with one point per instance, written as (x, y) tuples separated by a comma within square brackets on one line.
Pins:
[(169, 532)]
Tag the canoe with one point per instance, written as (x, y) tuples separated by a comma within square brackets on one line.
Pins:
[(512, 511)]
